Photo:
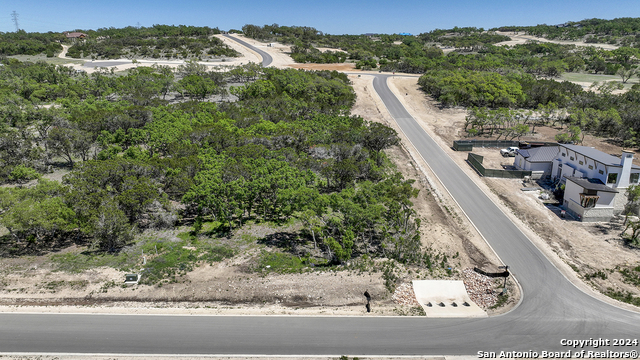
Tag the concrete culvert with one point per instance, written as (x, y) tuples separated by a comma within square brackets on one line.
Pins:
[(454, 304)]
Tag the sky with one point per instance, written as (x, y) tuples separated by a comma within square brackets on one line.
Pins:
[(329, 16)]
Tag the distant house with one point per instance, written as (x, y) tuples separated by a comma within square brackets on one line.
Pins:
[(595, 182), (75, 35)]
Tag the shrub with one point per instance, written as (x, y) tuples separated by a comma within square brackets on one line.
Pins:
[(22, 174), (280, 263)]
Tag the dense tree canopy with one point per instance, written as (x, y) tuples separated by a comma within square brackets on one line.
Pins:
[(620, 30), (158, 41), (287, 148), (24, 43), (278, 144)]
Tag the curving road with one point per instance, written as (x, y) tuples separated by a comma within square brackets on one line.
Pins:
[(266, 58), (552, 308)]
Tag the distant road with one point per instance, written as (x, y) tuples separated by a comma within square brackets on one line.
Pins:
[(266, 58), (552, 308), (106, 63)]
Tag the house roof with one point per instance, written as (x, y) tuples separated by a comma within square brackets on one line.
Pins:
[(75, 34), (591, 184), (540, 154), (597, 155)]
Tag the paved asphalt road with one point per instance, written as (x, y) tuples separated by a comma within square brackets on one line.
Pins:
[(105, 63), (266, 58), (552, 308)]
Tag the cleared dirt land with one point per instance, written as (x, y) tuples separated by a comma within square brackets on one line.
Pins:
[(521, 38)]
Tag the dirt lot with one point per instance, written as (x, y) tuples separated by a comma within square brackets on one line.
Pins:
[(579, 249), (521, 38)]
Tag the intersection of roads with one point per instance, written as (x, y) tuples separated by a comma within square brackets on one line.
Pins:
[(552, 313)]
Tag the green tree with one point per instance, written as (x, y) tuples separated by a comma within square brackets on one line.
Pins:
[(36, 214), (379, 137), (196, 87), (573, 135), (625, 55), (627, 73), (631, 208), (340, 251), (131, 186), (110, 227), (22, 174), (69, 143)]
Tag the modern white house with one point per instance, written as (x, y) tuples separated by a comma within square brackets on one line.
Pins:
[(589, 199), (595, 182)]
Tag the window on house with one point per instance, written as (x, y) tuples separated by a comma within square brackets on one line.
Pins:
[(588, 201), (612, 178), (590, 167), (581, 162), (601, 172), (633, 178), (571, 158), (563, 154)]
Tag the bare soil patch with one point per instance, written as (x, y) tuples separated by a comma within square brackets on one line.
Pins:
[(233, 286), (521, 38)]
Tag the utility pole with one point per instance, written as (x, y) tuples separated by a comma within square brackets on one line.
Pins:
[(14, 17)]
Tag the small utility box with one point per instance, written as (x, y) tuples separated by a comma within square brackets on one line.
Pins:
[(132, 278)]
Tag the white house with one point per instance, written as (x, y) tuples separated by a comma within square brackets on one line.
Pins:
[(595, 182), (589, 199), (536, 159)]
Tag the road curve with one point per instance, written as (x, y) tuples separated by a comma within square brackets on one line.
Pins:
[(548, 297), (266, 58), (552, 308)]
